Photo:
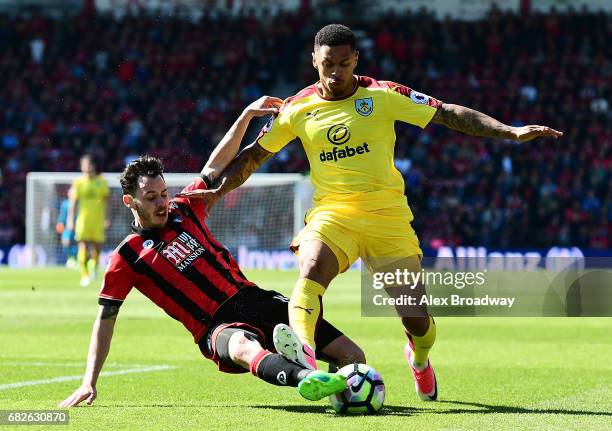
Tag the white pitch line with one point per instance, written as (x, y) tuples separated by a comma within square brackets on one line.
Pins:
[(79, 377), (65, 364)]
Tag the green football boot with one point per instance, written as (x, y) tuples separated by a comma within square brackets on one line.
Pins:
[(320, 384)]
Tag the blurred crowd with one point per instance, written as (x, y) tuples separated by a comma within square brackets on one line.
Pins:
[(171, 87)]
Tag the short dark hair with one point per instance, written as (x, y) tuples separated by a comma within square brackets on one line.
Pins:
[(335, 35), (147, 166), (89, 157), (92, 161)]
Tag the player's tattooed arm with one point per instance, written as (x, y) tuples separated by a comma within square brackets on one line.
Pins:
[(241, 168), (471, 122), (476, 123), (236, 173), (227, 149)]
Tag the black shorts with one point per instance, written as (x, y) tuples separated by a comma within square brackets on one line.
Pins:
[(259, 311)]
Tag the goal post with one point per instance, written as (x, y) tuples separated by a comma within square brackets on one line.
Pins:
[(262, 215)]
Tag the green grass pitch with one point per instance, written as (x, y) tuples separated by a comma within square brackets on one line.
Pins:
[(494, 374)]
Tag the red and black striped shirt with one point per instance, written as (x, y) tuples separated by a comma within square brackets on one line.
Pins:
[(182, 268)]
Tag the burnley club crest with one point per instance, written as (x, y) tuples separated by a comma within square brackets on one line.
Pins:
[(364, 106)]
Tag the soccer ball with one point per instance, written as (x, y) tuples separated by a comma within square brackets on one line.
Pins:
[(365, 392)]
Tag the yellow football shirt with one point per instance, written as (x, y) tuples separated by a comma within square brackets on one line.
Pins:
[(91, 195), (350, 142)]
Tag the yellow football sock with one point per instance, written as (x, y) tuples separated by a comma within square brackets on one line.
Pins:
[(82, 258), (422, 345), (95, 257), (305, 309)]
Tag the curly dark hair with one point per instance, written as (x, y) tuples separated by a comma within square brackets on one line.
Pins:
[(335, 35), (147, 166)]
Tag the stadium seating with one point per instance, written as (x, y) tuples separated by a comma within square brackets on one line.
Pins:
[(171, 88)]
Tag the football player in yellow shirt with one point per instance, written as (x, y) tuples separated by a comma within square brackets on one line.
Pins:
[(90, 193), (346, 125)]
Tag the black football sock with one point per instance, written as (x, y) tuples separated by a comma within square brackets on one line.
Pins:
[(275, 369)]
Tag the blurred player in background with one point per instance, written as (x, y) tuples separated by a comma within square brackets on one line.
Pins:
[(346, 125), (172, 258), (90, 193), (66, 235)]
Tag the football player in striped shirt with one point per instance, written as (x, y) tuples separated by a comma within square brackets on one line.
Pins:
[(173, 259)]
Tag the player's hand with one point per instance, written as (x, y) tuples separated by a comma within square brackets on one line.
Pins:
[(527, 133), (265, 105), (209, 197), (85, 393)]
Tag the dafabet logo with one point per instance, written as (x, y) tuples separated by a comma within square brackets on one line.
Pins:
[(340, 134)]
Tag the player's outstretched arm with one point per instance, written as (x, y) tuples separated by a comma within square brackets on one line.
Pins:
[(98, 350), (476, 123), (236, 173), (241, 168), (227, 149)]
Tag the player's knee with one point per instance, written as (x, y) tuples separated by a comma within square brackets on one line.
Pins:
[(317, 270), (352, 355), (344, 351), (317, 262), (241, 348), (358, 356), (238, 346), (416, 325)]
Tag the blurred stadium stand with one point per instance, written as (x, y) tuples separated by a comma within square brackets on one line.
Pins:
[(121, 84)]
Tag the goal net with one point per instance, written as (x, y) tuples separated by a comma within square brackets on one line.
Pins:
[(256, 221)]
